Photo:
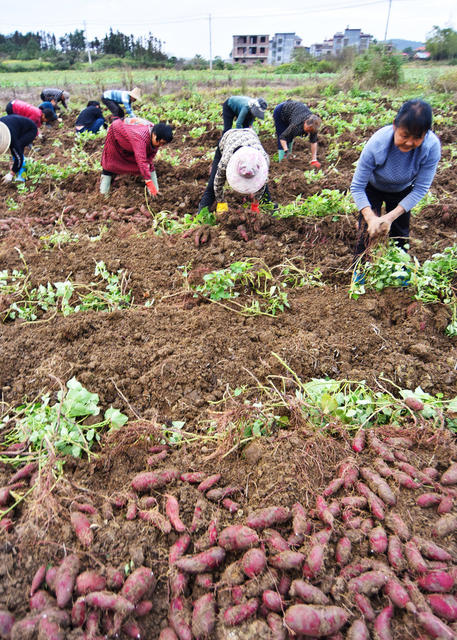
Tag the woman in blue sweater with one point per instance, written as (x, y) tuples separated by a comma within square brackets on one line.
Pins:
[(396, 167)]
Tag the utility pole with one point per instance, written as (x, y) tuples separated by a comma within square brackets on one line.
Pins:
[(388, 17), (87, 44), (210, 45)]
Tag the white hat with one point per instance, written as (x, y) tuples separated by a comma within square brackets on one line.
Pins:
[(247, 170), (135, 93), (5, 138)]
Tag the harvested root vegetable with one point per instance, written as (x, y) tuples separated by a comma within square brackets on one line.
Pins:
[(307, 592), (445, 525), (240, 612), (365, 607), (343, 550), (358, 442), (179, 548), (274, 541), (300, 523), (263, 518), (446, 505), (172, 511), (272, 600), (435, 627), (41, 600), (179, 618), (49, 630), (443, 605), (375, 504), (219, 493), (332, 488), (426, 500), (90, 581), (238, 537), (380, 448), (204, 580), (378, 485), (209, 482), (139, 584), (377, 538), (157, 519), (202, 562), (315, 559), (414, 404), (6, 623), (382, 468), (132, 629), (38, 579), (450, 475), (197, 517), (287, 560), (355, 502), (368, 583), (381, 625), (24, 472), (414, 558), (358, 631), (111, 601), (204, 616), (316, 621), (114, 578), (177, 583), (396, 524), (436, 581), (78, 612), (431, 550), (230, 505), (253, 562), (349, 472), (168, 634), (397, 593), (153, 479), (81, 525), (194, 477), (277, 628), (65, 579)]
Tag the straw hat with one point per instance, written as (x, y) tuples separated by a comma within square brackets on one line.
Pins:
[(5, 138), (135, 93), (247, 170)]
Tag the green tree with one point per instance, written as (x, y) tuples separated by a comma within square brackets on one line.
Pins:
[(442, 43)]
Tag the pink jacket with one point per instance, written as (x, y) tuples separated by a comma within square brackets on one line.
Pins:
[(27, 110)]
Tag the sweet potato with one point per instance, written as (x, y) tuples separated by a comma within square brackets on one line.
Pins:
[(382, 468), (78, 612), (311, 620), (450, 475), (416, 562), (365, 607), (240, 612), (168, 634), (49, 630), (253, 562), (201, 562), (25, 629), (375, 504), (431, 550), (157, 519), (50, 578), (446, 505), (287, 560), (219, 493), (377, 538), (6, 623), (204, 580), (197, 517), (405, 480), (85, 507), (238, 537), (38, 578), (90, 581), (230, 505), (41, 600), (276, 625), (307, 592), (381, 625), (443, 605), (333, 487), (232, 575), (139, 584), (315, 559), (263, 518), (81, 525), (396, 524), (179, 548), (435, 627), (274, 541), (366, 525), (172, 511), (436, 581), (25, 472), (399, 441), (396, 592), (354, 502), (204, 616), (114, 578), (153, 479), (358, 631), (300, 522), (426, 500), (179, 618), (154, 460), (112, 601), (368, 583), (65, 579), (209, 482), (414, 404), (194, 477), (378, 485), (380, 448), (323, 512), (358, 442), (349, 472), (445, 525), (177, 583), (132, 510), (343, 551), (272, 600), (284, 584), (132, 629)]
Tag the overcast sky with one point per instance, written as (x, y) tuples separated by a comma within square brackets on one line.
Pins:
[(184, 26)]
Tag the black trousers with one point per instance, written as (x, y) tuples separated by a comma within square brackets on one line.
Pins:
[(115, 109), (399, 230), (229, 116)]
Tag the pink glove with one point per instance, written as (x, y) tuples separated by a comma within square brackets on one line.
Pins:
[(255, 207), (152, 188), (315, 163)]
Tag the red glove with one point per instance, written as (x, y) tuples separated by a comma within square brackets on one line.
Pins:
[(152, 188), (315, 163), (255, 207)]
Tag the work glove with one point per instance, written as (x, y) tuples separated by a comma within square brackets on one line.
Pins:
[(255, 207), (8, 178), (221, 207), (152, 188), (281, 154), (154, 179), (315, 163)]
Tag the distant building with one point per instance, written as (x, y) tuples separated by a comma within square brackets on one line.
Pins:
[(334, 47), (250, 49), (282, 46), (421, 54)]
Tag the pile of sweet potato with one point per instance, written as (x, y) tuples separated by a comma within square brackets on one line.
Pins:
[(351, 566)]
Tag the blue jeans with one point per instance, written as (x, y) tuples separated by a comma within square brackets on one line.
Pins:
[(94, 127)]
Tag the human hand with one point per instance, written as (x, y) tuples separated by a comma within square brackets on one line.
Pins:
[(373, 226), (8, 178), (315, 163), (152, 188)]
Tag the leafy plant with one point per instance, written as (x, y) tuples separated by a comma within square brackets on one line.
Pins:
[(58, 238), (326, 202)]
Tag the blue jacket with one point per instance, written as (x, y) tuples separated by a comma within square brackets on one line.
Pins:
[(121, 97)]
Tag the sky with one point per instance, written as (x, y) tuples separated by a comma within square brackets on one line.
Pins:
[(206, 27)]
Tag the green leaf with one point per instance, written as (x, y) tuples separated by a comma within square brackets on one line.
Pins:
[(115, 417)]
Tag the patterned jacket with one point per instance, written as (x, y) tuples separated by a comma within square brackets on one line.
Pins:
[(294, 114), (230, 142)]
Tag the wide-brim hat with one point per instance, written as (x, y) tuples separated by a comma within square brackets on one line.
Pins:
[(135, 93), (5, 138), (247, 170)]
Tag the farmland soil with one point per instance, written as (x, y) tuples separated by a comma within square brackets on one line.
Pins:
[(178, 358)]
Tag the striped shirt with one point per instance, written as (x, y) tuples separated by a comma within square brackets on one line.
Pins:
[(121, 97)]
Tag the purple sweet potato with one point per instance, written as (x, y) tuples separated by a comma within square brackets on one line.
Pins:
[(375, 504), (201, 562), (358, 442), (435, 627), (395, 553), (300, 522), (276, 625), (431, 550), (41, 600), (343, 551), (377, 538), (38, 578), (240, 612), (204, 616), (156, 518), (311, 620), (380, 448), (153, 479), (365, 607), (274, 541), (315, 559), (354, 502), (179, 548), (112, 601), (398, 526), (358, 631), (230, 505), (114, 578), (81, 525), (6, 623), (368, 583), (382, 467), (323, 512), (381, 625), (168, 634), (272, 600), (287, 560), (172, 511), (253, 562), (209, 482), (238, 537), (65, 579), (139, 584), (396, 592), (78, 612), (24, 472), (132, 629), (436, 581), (426, 500), (179, 618), (194, 477), (445, 525), (446, 505), (177, 583), (450, 475), (349, 472), (378, 485), (414, 403), (307, 592), (333, 487), (416, 562), (197, 517), (267, 517), (219, 493), (143, 608), (49, 630), (90, 581), (443, 605), (204, 580), (25, 629)]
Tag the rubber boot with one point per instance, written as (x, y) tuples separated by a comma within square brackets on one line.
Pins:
[(281, 154), (20, 174), (290, 146), (154, 179), (105, 184)]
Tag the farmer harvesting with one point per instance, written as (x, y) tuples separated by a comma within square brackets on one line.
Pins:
[(91, 118), (396, 167), (242, 161), (16, 132), (54, 96), (293, 119), (244, 109), (114, 98), (38, 116), (131, 147)]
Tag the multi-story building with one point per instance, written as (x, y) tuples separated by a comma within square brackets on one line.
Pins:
[(334, 47), (282, 46), (250, 48)]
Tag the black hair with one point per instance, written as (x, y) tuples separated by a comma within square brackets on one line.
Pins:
[(163, 132), (415, 116), (50, 115), (93, 103)]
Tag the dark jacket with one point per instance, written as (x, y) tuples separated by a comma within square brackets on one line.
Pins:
[(23, 132), (294, 114), (88, 116)]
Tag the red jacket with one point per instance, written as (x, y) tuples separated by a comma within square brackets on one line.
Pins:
[(27, 110), (128, 149)]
